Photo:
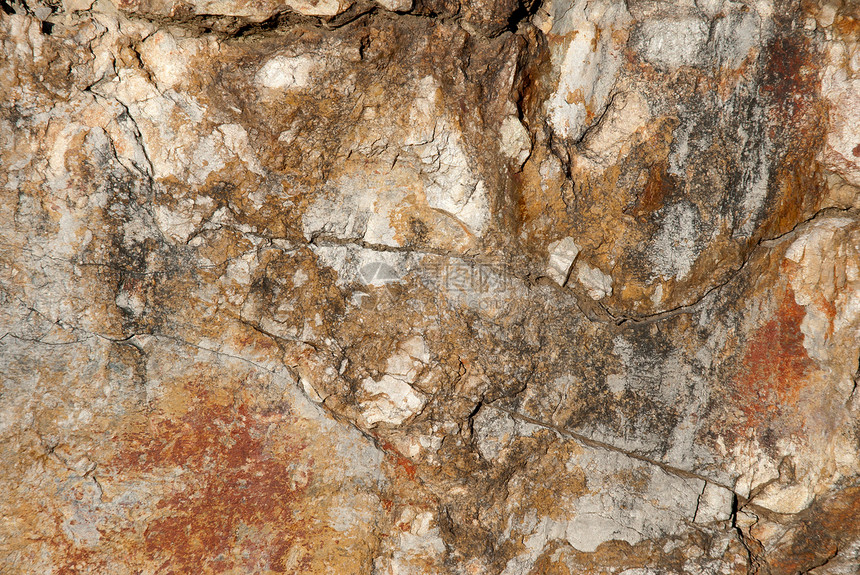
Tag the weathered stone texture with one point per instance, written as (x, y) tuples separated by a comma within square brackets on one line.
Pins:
[(430, 286)]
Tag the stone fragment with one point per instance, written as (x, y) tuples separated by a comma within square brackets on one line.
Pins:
[(515, 143), (562, 254), (673, 42), (286, 72), (392, 399), (597, 284), (586, 56), (396, 5), (715, 504)]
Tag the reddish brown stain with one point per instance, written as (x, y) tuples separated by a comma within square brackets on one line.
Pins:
[(773, 365), (233, 508), (856, 151), (399, 460), (659, 185), (791, 82), (78, 560), (829, 310)]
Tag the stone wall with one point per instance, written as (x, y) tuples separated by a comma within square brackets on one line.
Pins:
[(430, 286)]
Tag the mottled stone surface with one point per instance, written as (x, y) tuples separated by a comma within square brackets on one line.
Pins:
[(430, 286)]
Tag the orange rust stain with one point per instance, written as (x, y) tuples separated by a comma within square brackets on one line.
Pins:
[(774, 364), (78, 560), (234, 505), (828, 308), (399, 460), (261, 343), (847, 26)]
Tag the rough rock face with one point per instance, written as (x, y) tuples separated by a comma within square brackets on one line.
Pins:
[(430, 286)]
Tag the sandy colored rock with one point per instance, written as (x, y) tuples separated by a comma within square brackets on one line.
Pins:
[(485, 287)]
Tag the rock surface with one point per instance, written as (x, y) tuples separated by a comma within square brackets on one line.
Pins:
[(430, 286)]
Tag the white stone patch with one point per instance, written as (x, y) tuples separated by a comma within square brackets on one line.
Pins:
[(616, 383), (657, 296), (299, 278), (311, 391), (77, 5), (80, 514), (792, 498), (562, 254), (753, 466), (396, 5), (624, 350), (204, 158), (674, 249), (735, 36), (450, 185), (828, 271), (395, 401), (82, 526), (179, 222), (72, 235), (434, 147), (350, 511), (516, 143), (287, 72), (130, 302), (585, 59), (369, 267), (170, 129), (57, 174), (819, 461), (715, 504), (673, 42), (840, 85), (606, 514), (610, 510), (756, 191), (127, 146), (318, 7), (166, 59), (421, 544), (596, 283), (236, 139), (628, 112), (358, 206), (392, 398), (680, 150)]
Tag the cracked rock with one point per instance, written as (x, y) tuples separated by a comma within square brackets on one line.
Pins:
[(432, 286)]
